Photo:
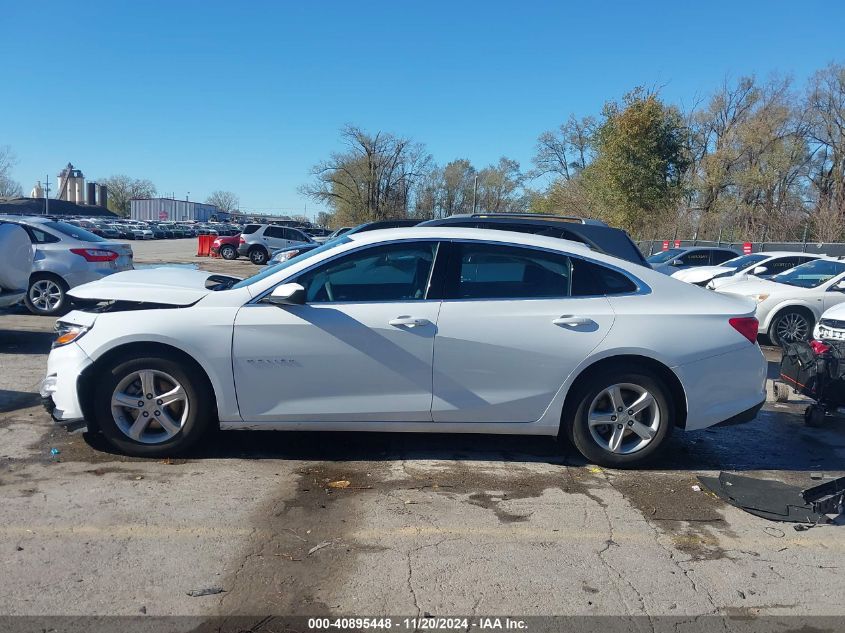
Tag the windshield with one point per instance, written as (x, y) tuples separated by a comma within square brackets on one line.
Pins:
[(664, 256), (743, 261), (273, 269), (74, 231), (811, 274)]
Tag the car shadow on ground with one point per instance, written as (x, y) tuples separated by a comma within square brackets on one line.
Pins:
[(776, 440), (25, 342)]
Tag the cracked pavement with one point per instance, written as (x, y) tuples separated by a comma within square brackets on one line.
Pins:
[(429, 524)]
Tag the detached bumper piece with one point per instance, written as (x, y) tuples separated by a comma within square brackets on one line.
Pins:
[(46, 392), (777, 501), (826, 498), (741, 418)]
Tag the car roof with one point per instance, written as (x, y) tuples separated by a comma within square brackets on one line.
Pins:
[(487, 235), (529, 217)]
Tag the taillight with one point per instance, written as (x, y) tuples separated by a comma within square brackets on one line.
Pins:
[(242, 240), (747, 326), (819, 348), (95, 254)]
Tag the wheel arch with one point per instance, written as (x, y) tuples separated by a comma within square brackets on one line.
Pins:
[(632, 362), (797, 307), (87, 379), (35, 275)]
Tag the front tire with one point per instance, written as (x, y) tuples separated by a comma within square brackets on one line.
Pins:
[(153, 406), (227, 251), (790, 326), (46, 296), (258, 256), (622, 418)]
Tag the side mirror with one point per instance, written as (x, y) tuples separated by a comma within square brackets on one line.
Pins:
[(287, 295), (759, 270), (676, 262), (839, 286)]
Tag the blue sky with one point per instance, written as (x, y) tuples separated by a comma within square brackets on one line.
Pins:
[(246, 96)]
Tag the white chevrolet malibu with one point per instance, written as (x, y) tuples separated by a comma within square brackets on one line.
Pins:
[(418, 329)]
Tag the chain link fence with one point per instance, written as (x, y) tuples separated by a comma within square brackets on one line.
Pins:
[(833, 249)]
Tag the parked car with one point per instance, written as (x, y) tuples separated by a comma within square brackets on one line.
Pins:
[(173, 230), (66, 256), (831, 325), (263, 239), (763, 265), (790, 304), (107, 231), (284, 254), (226, 247), (422, 329), (675, 259), (15, 264), (594, 233), (123, 232)]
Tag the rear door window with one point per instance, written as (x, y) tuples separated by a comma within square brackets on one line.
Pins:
[(250, 228), (275, 231), (695, 258), (719, 257), (493, 271)]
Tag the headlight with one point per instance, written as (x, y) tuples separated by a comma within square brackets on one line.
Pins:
[(760, 298), (285, 255), (68, 333)]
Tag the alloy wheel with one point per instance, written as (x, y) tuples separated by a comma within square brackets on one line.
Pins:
[(149, 406), (792, 327), (624, 418), (45, 295)]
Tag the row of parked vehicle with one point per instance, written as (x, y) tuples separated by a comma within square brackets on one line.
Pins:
[(110, 228)]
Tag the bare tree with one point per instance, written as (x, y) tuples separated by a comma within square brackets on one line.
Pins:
[(375, 178), (9, 188), (226, 201), (123, 189), (566, 151)]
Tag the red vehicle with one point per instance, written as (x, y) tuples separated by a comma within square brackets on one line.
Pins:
[(226, 246)]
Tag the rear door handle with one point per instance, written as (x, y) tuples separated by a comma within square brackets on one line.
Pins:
[(571, 319), (407, 321)]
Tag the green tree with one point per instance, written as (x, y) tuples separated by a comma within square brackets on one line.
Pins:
[(641, 155)]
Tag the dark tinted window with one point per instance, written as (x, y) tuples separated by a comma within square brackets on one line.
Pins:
[(296, 235), (393, 272), (695, 258), (72, 231), (489, 271), (275, 231), (721, 256), (589, 279), (250, 228), (782, 264)]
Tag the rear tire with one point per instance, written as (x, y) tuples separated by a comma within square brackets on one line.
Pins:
[(626, 439), (46, 295), (227, 251), (258, 256), (790, 326), (171, 417)]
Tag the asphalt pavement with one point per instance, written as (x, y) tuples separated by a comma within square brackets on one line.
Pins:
[(428, 524)]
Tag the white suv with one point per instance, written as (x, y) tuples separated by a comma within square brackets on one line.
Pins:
[(258, 241)]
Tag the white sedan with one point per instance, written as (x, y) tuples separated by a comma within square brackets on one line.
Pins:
[(764, 265), (789, 304), (418, 329)]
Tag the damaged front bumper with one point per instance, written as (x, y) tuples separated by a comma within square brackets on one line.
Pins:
[(59, 389)]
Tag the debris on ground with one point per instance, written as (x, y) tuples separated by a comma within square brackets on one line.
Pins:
[(208, 591), (54, 451), (777, 501), (341, 483), (318, 547)]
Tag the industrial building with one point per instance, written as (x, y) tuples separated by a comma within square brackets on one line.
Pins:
[(171, 210)]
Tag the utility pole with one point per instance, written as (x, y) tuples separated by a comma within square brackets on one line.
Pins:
[(474, 192), (47, 195)]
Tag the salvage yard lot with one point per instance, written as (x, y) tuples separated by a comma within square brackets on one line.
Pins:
[(439, 524)]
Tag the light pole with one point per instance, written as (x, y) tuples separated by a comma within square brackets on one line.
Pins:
[(47, 195)]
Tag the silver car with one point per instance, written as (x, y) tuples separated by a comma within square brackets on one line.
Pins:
[(66, 256), (258, 241)]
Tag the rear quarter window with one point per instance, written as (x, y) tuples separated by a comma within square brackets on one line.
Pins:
[(589, 280), (250, 228)]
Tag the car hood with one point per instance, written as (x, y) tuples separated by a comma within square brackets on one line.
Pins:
[(837, 312), (699, 273), (754, 285), (170, 286)]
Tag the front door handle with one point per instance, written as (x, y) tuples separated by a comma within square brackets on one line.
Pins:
[(571, 319), (407, 321)]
